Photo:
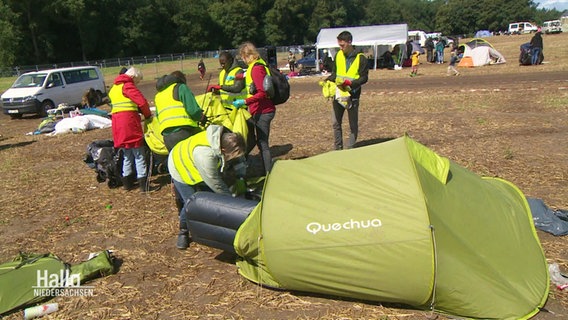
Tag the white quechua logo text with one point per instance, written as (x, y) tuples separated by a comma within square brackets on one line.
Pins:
[(316, 227)]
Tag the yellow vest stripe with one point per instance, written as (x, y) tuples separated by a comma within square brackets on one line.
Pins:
[(183, 158), (170, 112), (248, 78), (341, 67), (120, 103)]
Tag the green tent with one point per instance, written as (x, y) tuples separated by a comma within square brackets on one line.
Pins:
[(395, 222)]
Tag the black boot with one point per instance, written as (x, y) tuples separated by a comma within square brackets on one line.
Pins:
[(143, 184), (183, 239), (128, 182)]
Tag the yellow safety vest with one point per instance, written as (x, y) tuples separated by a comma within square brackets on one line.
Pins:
[(227, 98), (120, 103), (171, 112), (341, 71), (182, 155), (248, 78)]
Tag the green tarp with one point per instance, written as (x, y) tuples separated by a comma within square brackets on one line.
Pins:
[(395, 222)]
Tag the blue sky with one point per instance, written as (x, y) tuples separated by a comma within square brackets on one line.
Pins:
[(560, 5)]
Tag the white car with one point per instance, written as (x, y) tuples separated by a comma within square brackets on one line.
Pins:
[(39, 91)]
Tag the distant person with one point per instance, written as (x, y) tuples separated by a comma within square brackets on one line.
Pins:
[(201, 68), (454, 59), (127, 102), (291, 61), (440, 46), (258, 102), (350, 72), (176, 109), (536, 47), (429, 50), (415, 63), (198, 164)]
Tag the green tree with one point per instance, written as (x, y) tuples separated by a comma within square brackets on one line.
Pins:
[(286, 22), (236, 20), (10, 37)]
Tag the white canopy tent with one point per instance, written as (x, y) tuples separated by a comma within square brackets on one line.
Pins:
[(374, 36)]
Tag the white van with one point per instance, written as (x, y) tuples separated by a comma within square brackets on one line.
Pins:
[(522, 27), (39, 91), (552, 26)]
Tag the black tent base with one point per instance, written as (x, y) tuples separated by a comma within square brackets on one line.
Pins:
[(213, 219)]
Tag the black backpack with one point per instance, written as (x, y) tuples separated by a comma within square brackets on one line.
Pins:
[(276, 85), (106, 161)]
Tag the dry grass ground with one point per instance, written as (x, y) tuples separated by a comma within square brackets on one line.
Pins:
[(504, 120)]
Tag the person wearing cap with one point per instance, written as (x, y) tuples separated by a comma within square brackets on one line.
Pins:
[(199, 163), (536, 47)]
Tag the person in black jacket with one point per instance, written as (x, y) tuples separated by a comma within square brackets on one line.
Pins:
[(536, 47)]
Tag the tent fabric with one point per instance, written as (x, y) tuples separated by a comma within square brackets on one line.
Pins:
[(483, 33), (395, 222), (374, 36), (478, 42), (365, 36), (483, 55)]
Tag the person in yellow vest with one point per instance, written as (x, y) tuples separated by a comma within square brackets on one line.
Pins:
[(350, 72), (176, 109), (231, 80), (127, 102), (257, 101), (199, 163)]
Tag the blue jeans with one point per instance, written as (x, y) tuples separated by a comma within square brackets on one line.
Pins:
[(535, 54), (135, 155), (184, 191)]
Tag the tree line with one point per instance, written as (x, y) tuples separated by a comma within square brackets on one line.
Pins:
[(40, 32)]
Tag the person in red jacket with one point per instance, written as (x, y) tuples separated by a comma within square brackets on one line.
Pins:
[(259, 104), (127, 102)]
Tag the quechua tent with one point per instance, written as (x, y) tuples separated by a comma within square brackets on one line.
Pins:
[(395, 222), (481, 52)]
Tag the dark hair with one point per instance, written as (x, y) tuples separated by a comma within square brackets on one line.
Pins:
[(123, 70), (228, 56), (179, 75), (345, 36)]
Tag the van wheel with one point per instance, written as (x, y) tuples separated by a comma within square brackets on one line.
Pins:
[(46, 105)]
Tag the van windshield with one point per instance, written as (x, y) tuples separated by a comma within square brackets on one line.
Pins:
[(30, 80)]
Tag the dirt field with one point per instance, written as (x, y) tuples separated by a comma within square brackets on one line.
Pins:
[(507, 121)]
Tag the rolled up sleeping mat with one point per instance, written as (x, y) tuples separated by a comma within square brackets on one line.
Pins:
[(213, 219)]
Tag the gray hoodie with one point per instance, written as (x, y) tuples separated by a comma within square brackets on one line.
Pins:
[(208, 160)]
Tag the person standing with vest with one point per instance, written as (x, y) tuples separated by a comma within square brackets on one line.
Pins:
[(199, 162), (177, 110), (127, 102), (259, 104), (350, 72), (231, 85)]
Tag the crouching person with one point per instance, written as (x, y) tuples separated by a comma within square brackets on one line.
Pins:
[(200, 163)]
